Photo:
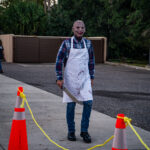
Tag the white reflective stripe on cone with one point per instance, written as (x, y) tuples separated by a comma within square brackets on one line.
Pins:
[(18, 102), (19, 114), (119, 141)]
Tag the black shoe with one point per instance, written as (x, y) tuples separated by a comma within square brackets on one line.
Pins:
[(1, 71), (71, 136), (86, 137)]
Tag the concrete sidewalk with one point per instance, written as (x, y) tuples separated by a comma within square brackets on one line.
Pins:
[(49, 112)]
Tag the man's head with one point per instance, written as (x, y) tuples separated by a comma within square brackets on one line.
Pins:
[(78, 29)]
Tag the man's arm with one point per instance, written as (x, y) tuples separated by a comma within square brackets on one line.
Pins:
[(91, 62), (59, 64)]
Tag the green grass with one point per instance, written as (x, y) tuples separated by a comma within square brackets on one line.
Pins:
[(140, 63)]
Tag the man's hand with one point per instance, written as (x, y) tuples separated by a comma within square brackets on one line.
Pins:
[(60, 83)]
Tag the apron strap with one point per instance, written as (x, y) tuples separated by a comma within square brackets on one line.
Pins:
[(71, 42), (83, 43)]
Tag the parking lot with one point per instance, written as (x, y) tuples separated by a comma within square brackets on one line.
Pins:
[(117, 89)]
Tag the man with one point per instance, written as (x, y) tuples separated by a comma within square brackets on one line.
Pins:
[(77, 55)]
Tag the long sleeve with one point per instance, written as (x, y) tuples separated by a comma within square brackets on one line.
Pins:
[(60, 60), (91, 61)]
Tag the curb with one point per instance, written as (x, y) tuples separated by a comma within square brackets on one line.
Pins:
[(130, 66)]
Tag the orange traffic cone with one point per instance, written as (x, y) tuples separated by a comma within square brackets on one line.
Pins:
[(18, 135), (119, 142)]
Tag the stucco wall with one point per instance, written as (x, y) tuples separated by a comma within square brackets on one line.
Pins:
[(7, 41), (36, 49)]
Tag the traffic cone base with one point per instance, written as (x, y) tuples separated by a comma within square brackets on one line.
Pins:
[(18, 136), (119, 142)]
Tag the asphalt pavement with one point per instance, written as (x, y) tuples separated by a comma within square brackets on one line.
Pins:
[(117, 89)]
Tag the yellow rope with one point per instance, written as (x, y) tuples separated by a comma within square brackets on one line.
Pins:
[(102, 144), (22, 95), (23, 99), (138, 136), (128, 120)]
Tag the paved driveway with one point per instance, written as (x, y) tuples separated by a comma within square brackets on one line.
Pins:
[(117, 89)]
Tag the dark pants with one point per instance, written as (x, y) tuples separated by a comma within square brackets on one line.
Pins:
[(87, 107)]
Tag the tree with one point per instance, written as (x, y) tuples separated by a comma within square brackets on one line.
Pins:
[(139, 28), (1, 23), (6, 3), (62, 17), (71, 10), (125, 23), (26, 18), (117, 31)]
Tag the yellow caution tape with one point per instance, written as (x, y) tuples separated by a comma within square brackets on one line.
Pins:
[(22, 95), (128, 120), (102, 144), (23, 99)]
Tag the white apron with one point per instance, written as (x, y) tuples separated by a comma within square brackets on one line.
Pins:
[(76, 75)]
